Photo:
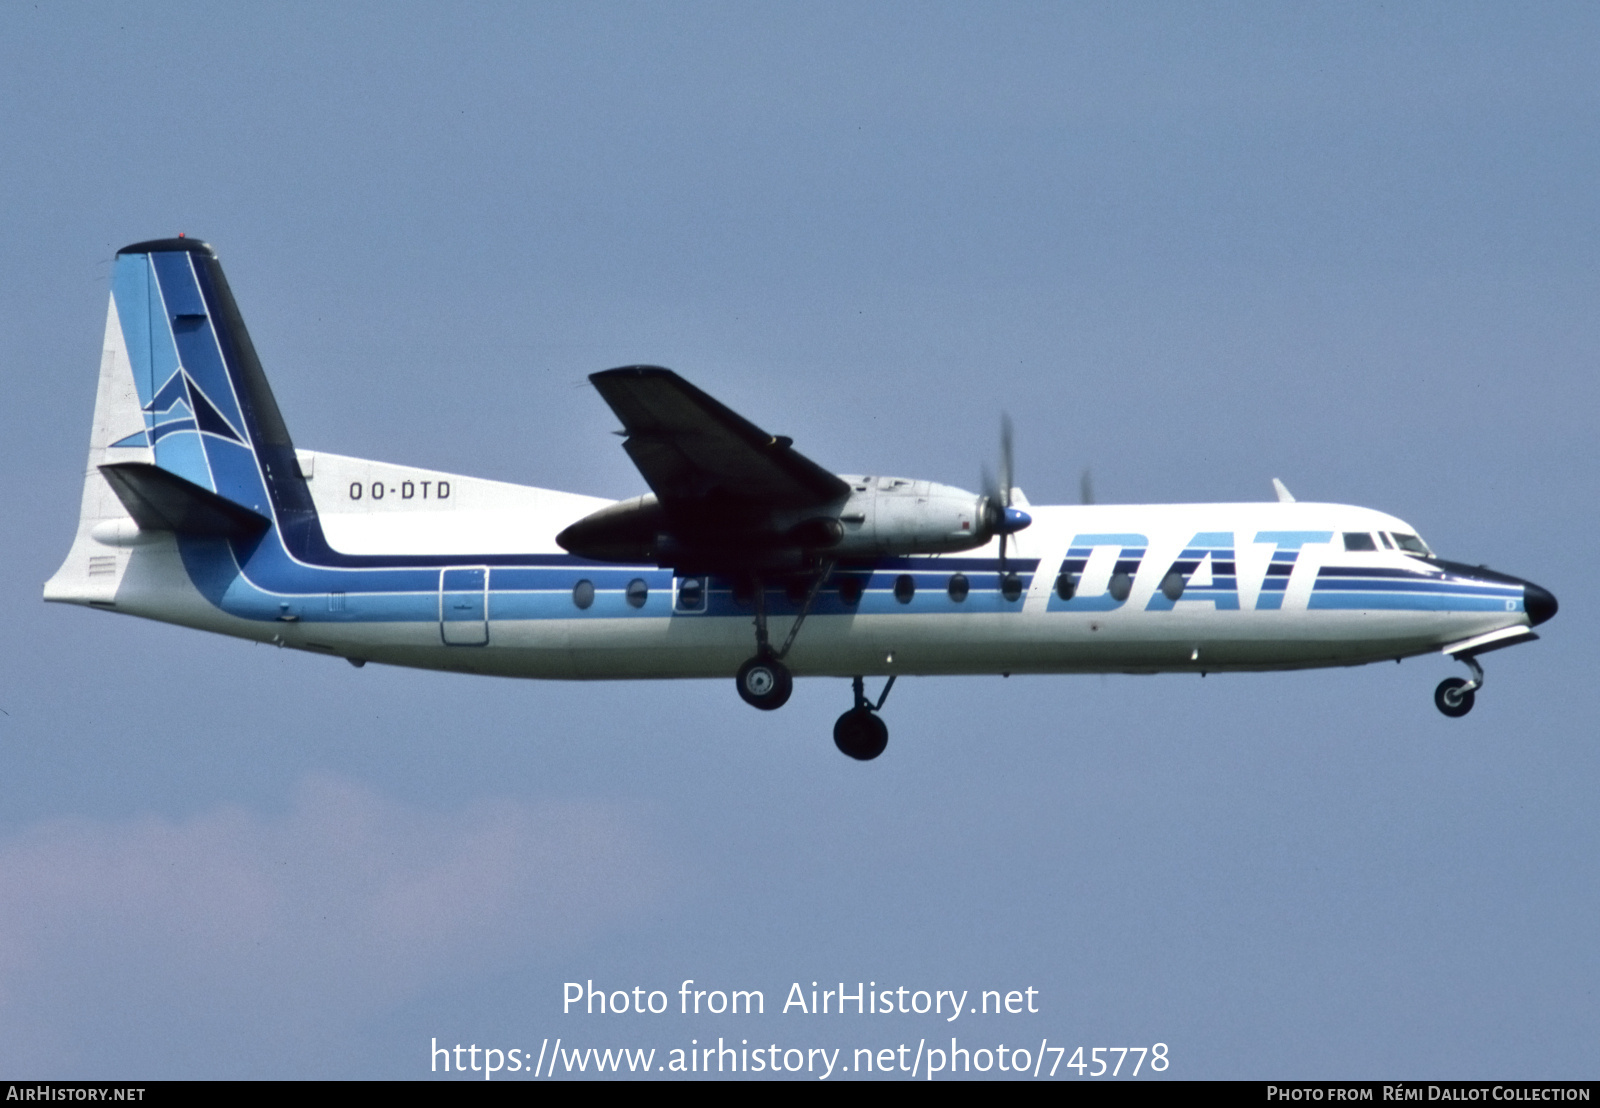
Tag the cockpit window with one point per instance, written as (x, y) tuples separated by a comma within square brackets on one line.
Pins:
[(1412, 545), (1383, 536), (1359, 540)]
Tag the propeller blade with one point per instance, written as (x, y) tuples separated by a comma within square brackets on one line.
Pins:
[(1006, 470)]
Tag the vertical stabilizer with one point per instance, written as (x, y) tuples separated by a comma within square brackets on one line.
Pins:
[(99, 555), (181, 390)]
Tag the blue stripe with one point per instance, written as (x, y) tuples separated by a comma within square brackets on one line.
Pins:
[(1394, 601)]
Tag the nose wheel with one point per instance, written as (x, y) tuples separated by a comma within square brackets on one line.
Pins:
[(1454, 696)]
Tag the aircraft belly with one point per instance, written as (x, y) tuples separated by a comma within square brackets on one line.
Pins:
[(971, 643)]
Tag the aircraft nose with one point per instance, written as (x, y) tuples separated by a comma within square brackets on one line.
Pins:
[(1540, 604)]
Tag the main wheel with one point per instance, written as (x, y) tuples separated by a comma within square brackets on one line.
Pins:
[(861, 734), (764, 683), (1453, 698)]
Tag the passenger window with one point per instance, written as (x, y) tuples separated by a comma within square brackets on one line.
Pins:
[(691, 595), (904, 588), (583, 593), (1358, 540), (638, 592), (850, 589), (959, 587)]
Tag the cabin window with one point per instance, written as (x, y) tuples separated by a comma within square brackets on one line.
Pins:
[(638, 592), (1067, 585), (1358, 540), (850, 590), (583, 593), (1172, 586), (904, 588), (959, 587), (692, 594), (1010, 586), (1120, 586)]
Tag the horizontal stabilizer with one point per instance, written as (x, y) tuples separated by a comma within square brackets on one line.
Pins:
[(159, 500)]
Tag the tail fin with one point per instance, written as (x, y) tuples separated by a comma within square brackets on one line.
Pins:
[(183, 416)]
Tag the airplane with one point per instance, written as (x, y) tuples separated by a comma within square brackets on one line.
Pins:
[(745, 558)]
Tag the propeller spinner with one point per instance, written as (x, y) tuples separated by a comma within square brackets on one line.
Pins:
[(999, 517)]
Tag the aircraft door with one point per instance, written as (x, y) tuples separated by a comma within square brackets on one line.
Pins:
[(464, 606)]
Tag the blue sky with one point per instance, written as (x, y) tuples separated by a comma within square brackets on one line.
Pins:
[(1351, 246)]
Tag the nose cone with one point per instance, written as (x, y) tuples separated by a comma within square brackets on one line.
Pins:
[(1539, 603), (1017, 519)]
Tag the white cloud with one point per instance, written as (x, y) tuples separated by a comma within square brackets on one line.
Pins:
[(320, 917)]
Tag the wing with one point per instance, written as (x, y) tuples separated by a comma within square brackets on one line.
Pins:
[(693, 450)]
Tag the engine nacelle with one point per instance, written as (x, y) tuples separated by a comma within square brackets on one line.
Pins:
[(880, 517), (886, 516)]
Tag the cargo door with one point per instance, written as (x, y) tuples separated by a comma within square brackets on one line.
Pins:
[(464, 606)]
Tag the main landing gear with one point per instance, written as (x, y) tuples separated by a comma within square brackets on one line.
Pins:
[(861, 732), (1454, 696), (764, 681)]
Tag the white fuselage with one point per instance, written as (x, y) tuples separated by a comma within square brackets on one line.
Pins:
[(498, 596)]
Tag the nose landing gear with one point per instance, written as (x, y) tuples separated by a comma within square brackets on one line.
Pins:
[(861, 732), (1454, 696)]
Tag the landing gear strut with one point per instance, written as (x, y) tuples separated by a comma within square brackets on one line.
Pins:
[(764, 681), (861, 732), (1454, 696)]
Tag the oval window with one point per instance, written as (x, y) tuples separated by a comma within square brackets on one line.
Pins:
[(1121, 585), (959, 587), (583, 593), (1066, 586), (691, 594), (1011, 587), (850, 590), (904, 588), (638, 592), (1172, 585)]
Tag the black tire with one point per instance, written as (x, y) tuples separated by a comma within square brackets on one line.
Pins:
[(764, 683), (861, 734), (1450, 700)]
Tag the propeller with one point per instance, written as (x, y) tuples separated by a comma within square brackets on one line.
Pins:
[(999, 517)]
